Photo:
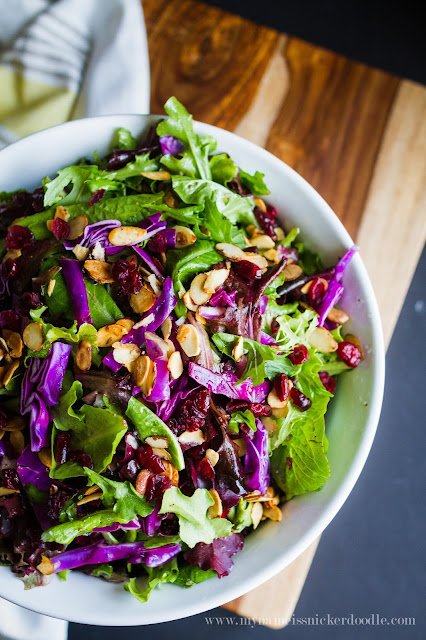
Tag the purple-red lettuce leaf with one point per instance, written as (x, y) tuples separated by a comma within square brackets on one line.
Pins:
[(217, 555)]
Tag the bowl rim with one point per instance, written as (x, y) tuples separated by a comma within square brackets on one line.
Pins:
[(371, 421)]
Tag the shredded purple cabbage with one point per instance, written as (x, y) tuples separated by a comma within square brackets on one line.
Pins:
[(256, 460), (221, 298), (171, 145), (156, 349), (31, 469), (77, 290), (335, 288), (224, 384)]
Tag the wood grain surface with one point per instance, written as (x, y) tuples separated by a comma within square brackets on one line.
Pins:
[(358, 135)]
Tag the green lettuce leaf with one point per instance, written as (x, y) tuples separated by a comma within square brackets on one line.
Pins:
[(167, 572), (240, 516), (189, 575), (242, 416), (254, 184), (148, 424), (123, 139), (54, 192), (66, 532), (221, 229), (309, 261), (194, 523), (223, 168)]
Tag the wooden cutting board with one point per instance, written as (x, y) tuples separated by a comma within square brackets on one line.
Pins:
[(358, 135)]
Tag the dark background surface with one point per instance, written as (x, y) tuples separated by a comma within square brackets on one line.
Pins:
[(369, 560)]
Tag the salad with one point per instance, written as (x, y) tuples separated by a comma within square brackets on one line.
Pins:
[(167, 356)]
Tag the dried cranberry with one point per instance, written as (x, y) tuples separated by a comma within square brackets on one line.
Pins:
[(247, 270), (55, 503), (60, 229), (11, 320), (266, 219), (10, 479), (81, 458), (156, 486), (282, 387), (62, 447), (259, 409), (127, 277), (275, 325), (169, 525), (299, 355), (206, 469), (130, 470), (31, 300), (328, 382), (10, 268), (236, 405), (300, 400), (97, 196), (349, 353), (316, 291), (149, 460), (289, 462), (158, 244), (192, 414), (18, 237), (3, 418)]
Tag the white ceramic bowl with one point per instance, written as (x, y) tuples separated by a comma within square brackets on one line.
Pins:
[(351, 420)]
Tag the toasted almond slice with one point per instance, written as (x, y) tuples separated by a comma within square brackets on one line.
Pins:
[(50, 287), (191, 437), (17, 441), (171, 472), (256, 259), (90, 498), (83, 357), (126, 323), (253, 231), (145, 321), (100, 271), (15, 423), (187, 337), (166, 328), (154, 283), (262, 242), (274, 401), (184, 236), (170, 347), (256, 514), (77, 226), (160, 442), (337, 315), (307, 285), (49, 224), (33, 336), (123, 236), (230, 251), (125, 354), (280, 412), (144, 372), (45, 567), (5, 491), (45, 456), (269, 424), (13, 254), (270, 492), (273, 256), (272, 513), (292, 271), (196, 290), (238, 350), (212, 456), (106, 336), (156, 175), (162, 453), (171, 200), (142, 301), (321, 339), (241, 446), (8, 375), (2, 432), (98, 252), (260, 203), (142, 481), (93, 489), (189, 303), (199, 318), (80, 252), (62, 213), (216, 509), (349, 337), (279, 232), (215, 279), (175, 365)]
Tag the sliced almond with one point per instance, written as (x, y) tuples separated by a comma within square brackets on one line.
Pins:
[(166, 328), (230, 251), (292, 271), (171, 472), (80, 252), (280, 412), (188, 339), (216, 509), (171, 200), (349, 337), (238, 350), (273, 256), (274, 401), (256, 514), (189, 303), (241, 446), (144, 372), (279, 232), (77, 226), (17, 441), (170, 347), (184, 236), (215, 279), (93, 489), (50, 287), (5, 491), (212, 456), (253, 231), (13, 254), (45, 567), (160, 442), (307, 286), (156, 175), (175, 365), (8, 375), (100, 271), (142, 481), (262, 242), (33, 336), (272, 513), (83, 357), (197, 291), (191, 437), (270, 492), (62, 213), (123, 236), (320, 338), (90, 498), (154, 283), (162, 453), (145, 321), (338, 316), (142, 301), (98, 252), (199, 318), (269, 424), (15, 423), (125, 354), (126, 323), (2, 432), (106, 336), (260, 203)]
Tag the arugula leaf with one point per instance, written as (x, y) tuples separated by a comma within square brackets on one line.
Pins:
[(309, 261), (103, 570), (167, 572), (290, 237), (221, 229), (179, 124), (127, 502), (254, 184), (123, 139), (242, 416), (230, 204), (66, 532), (74, 175), (189, 575), (194, 523), (148, 424), (141, 163), (223, 168), (240, 516)]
